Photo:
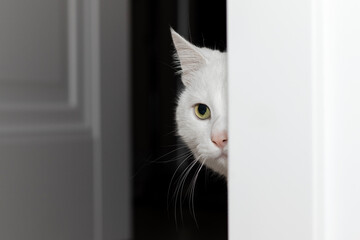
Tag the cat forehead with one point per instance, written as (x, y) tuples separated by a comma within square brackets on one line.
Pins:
[(214, 57), (208, 84), (209, 87), (212, 76)]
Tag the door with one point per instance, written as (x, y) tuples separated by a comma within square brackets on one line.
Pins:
[(294, 119), (64, 149)]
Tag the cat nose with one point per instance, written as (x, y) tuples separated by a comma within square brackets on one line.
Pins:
[(220, 139)]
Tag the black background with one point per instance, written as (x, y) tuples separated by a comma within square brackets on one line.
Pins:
[(154, 90)]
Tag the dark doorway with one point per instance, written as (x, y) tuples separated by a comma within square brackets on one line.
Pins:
[(154, 90)]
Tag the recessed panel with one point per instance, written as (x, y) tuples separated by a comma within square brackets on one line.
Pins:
[(33, 41), (42, 48), (46, 188)]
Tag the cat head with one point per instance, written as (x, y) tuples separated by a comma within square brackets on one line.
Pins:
[(201, 113)]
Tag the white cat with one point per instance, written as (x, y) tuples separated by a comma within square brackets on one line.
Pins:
[(201, 113)]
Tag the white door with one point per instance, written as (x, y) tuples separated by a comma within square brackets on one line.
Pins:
[(294, 115), (64, 149)]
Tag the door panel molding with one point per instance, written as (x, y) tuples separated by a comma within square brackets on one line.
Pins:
[(60, 101)]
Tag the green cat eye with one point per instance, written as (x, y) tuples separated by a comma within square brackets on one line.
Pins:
[(202, 111)]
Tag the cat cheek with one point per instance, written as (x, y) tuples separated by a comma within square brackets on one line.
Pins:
[(207, 150)]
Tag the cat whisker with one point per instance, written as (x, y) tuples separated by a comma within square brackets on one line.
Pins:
[(141, 168), (179, 183), (182, 184), (166, 134), (148, 162), (192, 193), (178, 194), (175, 67), (172, 179), (166, 154), (177, 144), (176, 158), (189, 189)]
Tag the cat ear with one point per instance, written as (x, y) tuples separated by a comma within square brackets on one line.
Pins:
[(188, 56)]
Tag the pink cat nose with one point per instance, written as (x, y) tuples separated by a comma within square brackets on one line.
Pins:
[(220, 139)]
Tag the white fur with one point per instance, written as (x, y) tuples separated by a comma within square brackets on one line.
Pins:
[(204, 76)]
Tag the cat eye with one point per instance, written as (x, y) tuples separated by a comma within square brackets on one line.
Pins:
[(202, 111)]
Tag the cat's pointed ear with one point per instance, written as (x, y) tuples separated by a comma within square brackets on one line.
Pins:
[(188, 56)]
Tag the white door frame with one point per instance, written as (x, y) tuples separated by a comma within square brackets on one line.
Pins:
[(294, 119)]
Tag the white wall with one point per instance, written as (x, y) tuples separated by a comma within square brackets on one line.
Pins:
[(294, 119)]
